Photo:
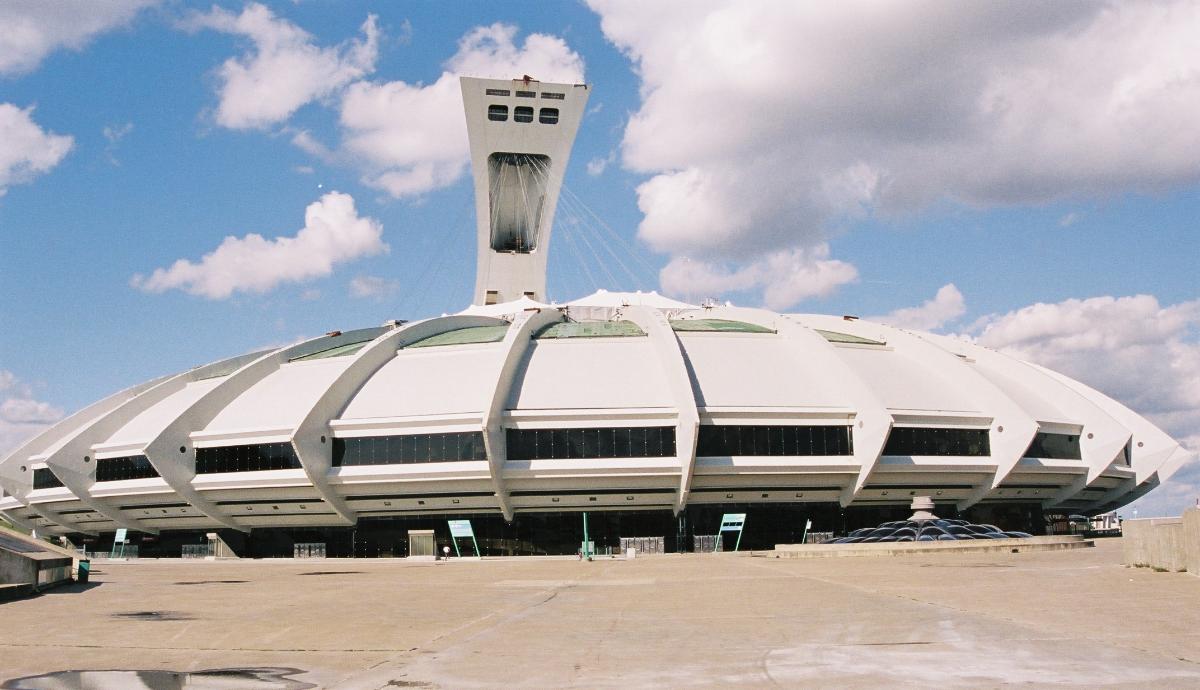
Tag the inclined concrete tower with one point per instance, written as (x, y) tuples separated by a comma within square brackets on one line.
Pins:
[(521, 132)]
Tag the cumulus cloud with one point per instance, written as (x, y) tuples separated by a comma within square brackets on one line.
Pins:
[(373, 286), (1133, 349), (27, 150), (33, 29), (21, 416), (763, 124), (333, 233), (785, 277), (411, 138), (946, 306), (284, 70)]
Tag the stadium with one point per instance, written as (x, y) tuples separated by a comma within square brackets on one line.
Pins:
[(653, 416)]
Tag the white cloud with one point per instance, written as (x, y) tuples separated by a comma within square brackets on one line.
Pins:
[(285, 70), (763, 124), (373, 286), (598, 165), (333, 233), (21, 416), (785, 277), (1068, 220), (946, 305), (1135, 350), (114, 134), (411, 138), (26, 150), (32, 29)]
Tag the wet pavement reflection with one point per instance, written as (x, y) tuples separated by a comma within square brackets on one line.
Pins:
[(212, 679)]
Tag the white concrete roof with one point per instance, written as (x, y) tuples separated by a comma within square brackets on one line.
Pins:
[(604, 298), (428, 381), (620, 373), (280, 400), (143, 428)]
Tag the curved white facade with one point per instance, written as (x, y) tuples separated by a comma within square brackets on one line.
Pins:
[(609, 361)]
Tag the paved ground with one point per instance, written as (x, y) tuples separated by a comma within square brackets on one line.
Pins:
[(1072, 618)]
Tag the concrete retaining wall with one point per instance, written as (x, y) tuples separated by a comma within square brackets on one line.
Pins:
[(1171, 544), (17, 569), (1191, 539), (1046, 543)]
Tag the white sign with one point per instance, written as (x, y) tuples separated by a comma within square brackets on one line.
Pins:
[(461, 528)]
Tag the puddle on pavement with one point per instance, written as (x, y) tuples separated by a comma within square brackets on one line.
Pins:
[(968, 565), (335, 572), (213, 679), (152, 616), (214, 582)]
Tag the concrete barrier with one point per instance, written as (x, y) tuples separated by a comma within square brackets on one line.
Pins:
[(959, 546), (1191, 539), (1170, 544)]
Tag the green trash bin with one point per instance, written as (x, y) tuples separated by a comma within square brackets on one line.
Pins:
[(85, 568)]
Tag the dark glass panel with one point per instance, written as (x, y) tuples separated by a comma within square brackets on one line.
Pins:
[(772, 440), (247, 458), (128, 467), (576, 444), (938, 442), (43, 478), (1054, 447)]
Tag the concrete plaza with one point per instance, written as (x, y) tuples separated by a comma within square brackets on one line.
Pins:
[(1050, 618)]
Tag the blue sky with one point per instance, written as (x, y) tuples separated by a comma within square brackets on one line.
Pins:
[(814, 159)]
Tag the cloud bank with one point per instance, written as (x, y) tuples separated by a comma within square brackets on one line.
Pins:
[(946, 306), (763, 125), (1137, 351), (284, 70), (32, 29), (21, 416), (333, 233)]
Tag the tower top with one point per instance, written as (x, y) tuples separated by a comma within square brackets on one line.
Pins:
[(521, 132)]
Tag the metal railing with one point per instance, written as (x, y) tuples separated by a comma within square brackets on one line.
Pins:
[(198, 551), (309, 550)]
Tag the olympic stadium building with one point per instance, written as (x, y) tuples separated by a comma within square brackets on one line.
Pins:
[(653, 416)]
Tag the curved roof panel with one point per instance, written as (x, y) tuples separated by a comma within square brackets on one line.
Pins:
[(143, 428), (281, 399), (619, 373), (427, 381), (734, 371)]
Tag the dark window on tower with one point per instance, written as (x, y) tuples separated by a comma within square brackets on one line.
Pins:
[(552, 95), (128, 467), (43, 478), (730, 440), (251, 458), (584, 444), (526, 94), (926, 441), (548, 116), (1054, 447), (523, 113), (407, 450), (497, 92), (497, 113)]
